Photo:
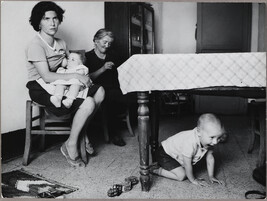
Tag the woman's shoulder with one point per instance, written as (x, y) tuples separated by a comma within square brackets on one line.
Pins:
[(90, 53), (61, 42), (35, 43)]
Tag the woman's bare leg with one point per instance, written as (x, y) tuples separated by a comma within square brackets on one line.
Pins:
[(83, 113), (98, 97), (81, 119)]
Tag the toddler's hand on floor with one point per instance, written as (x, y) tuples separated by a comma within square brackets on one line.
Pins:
[(200, 182), (214, 180)]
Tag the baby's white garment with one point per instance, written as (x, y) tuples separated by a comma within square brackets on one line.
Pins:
[(75, 69), (50, 88)]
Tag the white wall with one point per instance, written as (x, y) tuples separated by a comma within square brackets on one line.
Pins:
[(82, 20), (178, 27)]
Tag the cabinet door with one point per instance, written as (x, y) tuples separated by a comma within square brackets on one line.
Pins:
[(136, 36), (148, 42)]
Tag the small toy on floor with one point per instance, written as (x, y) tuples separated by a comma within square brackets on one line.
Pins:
[(118, 189)]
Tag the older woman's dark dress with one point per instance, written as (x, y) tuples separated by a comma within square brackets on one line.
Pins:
[(114, 98)]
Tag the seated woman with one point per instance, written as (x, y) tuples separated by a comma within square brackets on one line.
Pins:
[(103, 71), (44, 54)]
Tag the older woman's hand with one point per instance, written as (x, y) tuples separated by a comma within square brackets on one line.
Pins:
[(108, 65)]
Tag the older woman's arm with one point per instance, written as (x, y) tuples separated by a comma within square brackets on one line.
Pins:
[(107, 66), (48, 76)]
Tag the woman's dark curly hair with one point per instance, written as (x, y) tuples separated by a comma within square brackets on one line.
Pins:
[(39, 10)]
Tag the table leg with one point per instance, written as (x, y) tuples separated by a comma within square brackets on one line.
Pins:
[(154, 115), (143, 128)]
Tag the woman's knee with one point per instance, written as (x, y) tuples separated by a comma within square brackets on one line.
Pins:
[(88, 104), (100, 95)]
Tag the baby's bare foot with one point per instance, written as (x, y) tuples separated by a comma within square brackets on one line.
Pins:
[(67, 102), (55, 101)]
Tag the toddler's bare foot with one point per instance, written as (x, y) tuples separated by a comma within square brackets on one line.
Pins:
[(67, 102), (154, 168), (55, 101)]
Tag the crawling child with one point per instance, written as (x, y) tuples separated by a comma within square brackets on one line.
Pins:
[(177, 154)]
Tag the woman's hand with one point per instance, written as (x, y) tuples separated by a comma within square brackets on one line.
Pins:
[(85, 80), (108, 65)]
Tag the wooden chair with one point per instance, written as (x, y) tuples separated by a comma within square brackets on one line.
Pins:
[(258, 128), (46, 128)]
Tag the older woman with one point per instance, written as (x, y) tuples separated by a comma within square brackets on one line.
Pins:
[(103, 71), (44, 55)]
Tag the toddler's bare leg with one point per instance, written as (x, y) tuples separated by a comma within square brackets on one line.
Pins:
[(57, 97), (176, 174), (72, 94)]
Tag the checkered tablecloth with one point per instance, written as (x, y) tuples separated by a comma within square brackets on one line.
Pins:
[(148, 72)]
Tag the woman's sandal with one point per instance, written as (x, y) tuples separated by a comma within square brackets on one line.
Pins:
[(77, 162), (90, 149)]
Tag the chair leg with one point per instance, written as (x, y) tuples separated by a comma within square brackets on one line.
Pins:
[(42, 127), (252, 137), (253, 127), (129, 122), (104, 123), (27, 147), (262, 153), (82, 146)]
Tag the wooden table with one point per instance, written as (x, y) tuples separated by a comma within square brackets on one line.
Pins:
[(224, 74)]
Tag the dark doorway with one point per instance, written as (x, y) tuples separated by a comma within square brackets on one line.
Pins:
[(223, 27)]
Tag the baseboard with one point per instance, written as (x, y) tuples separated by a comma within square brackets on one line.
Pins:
[(13, 143)]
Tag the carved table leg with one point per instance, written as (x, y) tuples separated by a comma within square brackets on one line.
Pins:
[(154, 115), (143, 127)]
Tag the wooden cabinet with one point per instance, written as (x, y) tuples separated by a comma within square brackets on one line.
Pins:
[(133, 26)]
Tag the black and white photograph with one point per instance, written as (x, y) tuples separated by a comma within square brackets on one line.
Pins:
[(133, 100)]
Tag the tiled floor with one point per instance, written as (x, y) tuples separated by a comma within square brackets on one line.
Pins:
[(112, 164)]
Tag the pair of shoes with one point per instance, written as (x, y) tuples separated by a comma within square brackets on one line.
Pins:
[(132, 179), (77, 162), (118, 141), (90, 149), (154, 166), (118, 189)]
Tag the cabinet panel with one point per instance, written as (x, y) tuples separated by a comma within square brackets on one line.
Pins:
[(133, 27)]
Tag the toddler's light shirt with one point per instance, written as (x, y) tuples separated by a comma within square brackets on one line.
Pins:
[(185, 143)]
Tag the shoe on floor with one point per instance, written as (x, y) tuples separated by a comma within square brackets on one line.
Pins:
[(90, 149), (118, 141)]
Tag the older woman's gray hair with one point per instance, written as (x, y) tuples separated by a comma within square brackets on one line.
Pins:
[(101, 33)]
